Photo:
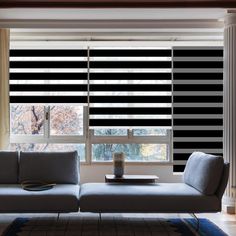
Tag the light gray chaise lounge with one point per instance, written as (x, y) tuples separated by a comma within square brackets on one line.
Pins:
[(204, 182), (59, 168)]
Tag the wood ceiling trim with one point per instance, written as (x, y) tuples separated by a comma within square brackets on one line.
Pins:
[(117, 3)]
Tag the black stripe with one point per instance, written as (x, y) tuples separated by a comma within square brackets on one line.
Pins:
[(193, 145), (49, 87), (48, 53), (198, 87), (48, 76), (198, 53), (198, 133), (48, 99), (130, 87), (130, 64), (130, 53), (198, 64), (129, 122), (130, 99), (130, 111), (196, 122), (178, 168), (198, 110), (48, 64), (198, 99), (185, 156), (130, 76), (198, 76), (181, 156)]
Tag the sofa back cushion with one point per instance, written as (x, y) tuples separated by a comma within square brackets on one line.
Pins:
[(8, 167), (203, 172), (52, 167)]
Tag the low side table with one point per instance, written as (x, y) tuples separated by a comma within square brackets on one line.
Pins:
[(134, 179)]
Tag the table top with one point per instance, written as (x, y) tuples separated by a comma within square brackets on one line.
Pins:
[(131, 179)]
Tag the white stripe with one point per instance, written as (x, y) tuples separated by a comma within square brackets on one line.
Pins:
[(197, 59), (198, 139), (48, 70), (104, 93), (191, 104), (114, 117), (48, 59), (198, 70), (130, 127), (48, 93), (198, 150), (197, 81), (124, 59), (130, 105), (198, 93), (39, 82), (198, 127), (194, 116), (180, 163), (130, 82), (130, 70), (130, 47), (197, 48)]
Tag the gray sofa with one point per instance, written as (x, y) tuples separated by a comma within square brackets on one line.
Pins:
[(204, 182), (60, 168)]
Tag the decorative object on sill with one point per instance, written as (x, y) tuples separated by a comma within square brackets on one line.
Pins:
[(118, 163), (36, 185)]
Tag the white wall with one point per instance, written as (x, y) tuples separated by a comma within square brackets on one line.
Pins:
[(96, 172)]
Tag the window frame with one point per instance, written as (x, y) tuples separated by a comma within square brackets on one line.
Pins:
[(88, 138)]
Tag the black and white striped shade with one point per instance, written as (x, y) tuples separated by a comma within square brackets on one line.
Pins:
[(197, 102), (131, 87)]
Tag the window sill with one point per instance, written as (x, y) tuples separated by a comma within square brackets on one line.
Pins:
[(157, 163)]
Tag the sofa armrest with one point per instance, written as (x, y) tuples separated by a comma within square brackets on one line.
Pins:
[(223, 182)]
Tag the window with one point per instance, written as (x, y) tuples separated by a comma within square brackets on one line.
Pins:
[(97, 100), (118, 97)]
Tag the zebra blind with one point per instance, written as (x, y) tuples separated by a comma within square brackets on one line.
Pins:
[(197, 102), (48, 76), (130, 87)]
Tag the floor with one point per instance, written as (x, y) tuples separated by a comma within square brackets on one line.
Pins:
[(225, 221)]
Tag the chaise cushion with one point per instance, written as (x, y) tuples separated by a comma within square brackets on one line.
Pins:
[(61, 198), (203, 172), (8, 167), (52, 167), (150, 198)]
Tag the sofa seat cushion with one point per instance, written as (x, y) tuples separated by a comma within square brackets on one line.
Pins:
[(152, 198), (61, 198)]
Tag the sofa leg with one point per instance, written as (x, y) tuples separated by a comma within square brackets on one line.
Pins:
[(58, 216), (198, 222)]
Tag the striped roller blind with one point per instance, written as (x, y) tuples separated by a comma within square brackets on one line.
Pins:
[(130, 87), (197, 102), (48, 76)]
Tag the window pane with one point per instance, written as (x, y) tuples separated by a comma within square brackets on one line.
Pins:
[(42, 147), (66, 120), (110, 132), (26, 119), (150, 132), (133, 152)]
